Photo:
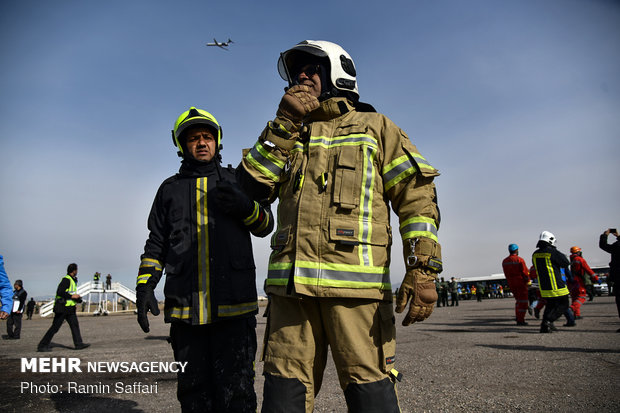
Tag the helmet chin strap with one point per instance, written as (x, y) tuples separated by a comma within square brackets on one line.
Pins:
[(333, 92)]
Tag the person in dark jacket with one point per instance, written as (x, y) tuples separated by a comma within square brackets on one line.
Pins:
[(549, 264), (64, 309), (454, 292), (199, 233), (614, 264), (30, 308), (14, 322)]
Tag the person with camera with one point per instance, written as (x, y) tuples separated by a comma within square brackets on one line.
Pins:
[(614, 264), (64, 309)]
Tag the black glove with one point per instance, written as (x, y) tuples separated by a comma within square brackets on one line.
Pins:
[(233, 200), (145, 302)]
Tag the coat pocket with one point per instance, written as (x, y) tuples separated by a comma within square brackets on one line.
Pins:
[(347, 179)]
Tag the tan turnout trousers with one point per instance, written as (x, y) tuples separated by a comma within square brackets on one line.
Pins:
[(359, 332)]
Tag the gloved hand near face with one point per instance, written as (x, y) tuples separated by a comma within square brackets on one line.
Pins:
[(296, 103)]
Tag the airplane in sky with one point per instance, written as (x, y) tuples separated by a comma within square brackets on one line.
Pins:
[(222, 45)]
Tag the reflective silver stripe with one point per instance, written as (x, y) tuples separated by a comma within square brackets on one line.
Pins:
[(339, 275), (419, 227), (150, 262), (278, 273), (342, 140), (365, 230), (179, 312), (422, 162), (274, 170), (404, 167)]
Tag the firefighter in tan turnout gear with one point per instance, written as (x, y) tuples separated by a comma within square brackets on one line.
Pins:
[(335, 164)]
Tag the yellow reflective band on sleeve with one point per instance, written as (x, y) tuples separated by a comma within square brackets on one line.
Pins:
[(397, 170), (150, 262), (181, 313), (236, 309), (143, 278), (419, 227), (253, 216), (265, 162), (403, 167), (422, 162), (279, 130), (263, 225), (299, 147), (278, 273)]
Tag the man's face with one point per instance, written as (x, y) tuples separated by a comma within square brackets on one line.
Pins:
[(200, 143), (310, 75), (17, 287)]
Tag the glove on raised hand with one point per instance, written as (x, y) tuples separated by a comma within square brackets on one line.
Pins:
[(296, 103), (233, 200), (418, 287), (145, 302)]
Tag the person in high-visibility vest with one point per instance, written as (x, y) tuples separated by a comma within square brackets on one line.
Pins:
[(64, 309), (549, 263)]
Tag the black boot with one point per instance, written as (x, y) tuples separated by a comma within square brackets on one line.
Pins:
[(544, 327)]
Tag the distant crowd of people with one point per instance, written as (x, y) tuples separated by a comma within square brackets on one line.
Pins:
[(555, 282)]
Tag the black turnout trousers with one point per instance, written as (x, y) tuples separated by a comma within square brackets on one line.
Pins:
[(219, 375)]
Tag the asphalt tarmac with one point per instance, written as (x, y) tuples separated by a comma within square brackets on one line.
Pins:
[(462, 359)]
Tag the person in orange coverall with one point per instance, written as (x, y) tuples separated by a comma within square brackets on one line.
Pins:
[(517, 275), (580, 270)]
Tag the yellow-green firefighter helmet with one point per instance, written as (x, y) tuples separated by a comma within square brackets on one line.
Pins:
[(191, 117)]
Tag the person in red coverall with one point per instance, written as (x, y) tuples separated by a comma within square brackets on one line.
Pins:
[(579, 267), (517, 275)]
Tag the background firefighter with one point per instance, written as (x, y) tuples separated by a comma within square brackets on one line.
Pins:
[(580, 270), (335, 165), (518, 277), (549, 263), (199, 232)]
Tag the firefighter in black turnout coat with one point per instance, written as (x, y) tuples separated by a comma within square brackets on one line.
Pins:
[(199, 233)]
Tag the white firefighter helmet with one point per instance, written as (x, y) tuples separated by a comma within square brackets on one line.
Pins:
[(341, 70), (547, 237)]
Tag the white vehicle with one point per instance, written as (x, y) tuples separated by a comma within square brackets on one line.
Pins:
[(602, 272), (600, 289)]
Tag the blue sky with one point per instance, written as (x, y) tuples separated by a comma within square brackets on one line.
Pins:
[(515, 102)]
